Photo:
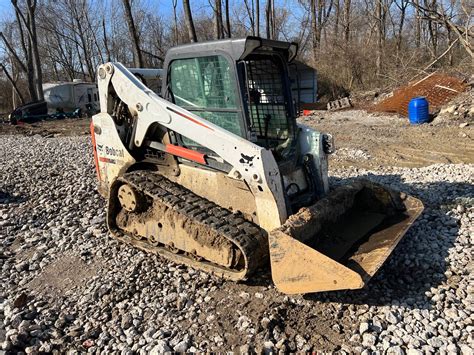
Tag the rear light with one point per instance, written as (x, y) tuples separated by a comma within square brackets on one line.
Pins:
[(328, 144)]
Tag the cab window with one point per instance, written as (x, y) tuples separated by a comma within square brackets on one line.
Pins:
[(206, 87)]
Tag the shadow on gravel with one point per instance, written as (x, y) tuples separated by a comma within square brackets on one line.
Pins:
[(419, 261), (6, 197)]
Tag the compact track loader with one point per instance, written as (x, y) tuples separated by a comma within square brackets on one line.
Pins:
[(216, 173)]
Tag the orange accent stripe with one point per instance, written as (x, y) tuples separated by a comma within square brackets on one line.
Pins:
[(107, 160), (94, 148), (189, 118), (186, 153)]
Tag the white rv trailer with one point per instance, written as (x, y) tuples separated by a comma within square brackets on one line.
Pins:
[(68, 96)]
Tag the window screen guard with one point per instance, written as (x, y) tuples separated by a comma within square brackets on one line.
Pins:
[(268, 106)]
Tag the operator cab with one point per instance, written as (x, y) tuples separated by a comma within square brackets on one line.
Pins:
[(243, 86), (240, 85)]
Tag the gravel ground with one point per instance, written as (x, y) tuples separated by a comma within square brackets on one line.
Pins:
[(66, 285)]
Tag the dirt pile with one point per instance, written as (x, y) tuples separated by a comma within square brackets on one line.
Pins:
[(438, 89)]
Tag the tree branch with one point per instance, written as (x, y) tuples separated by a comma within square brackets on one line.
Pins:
[(10, 79), (13, 52)]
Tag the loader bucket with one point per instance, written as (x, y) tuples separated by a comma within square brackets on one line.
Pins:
[(342, 240)]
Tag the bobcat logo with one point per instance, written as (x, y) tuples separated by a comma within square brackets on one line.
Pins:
[(246, 159)]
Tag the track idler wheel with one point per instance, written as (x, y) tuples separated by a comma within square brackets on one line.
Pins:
[(130, 199)]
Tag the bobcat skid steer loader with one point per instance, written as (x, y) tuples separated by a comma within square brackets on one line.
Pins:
[(216, 173)]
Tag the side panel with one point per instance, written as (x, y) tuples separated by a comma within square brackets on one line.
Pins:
[(113, 158), (311, 142)]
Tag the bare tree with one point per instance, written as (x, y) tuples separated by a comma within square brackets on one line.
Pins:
[(218, 23), (29, 20), (189, 21), (137, 54), (27, 66), (74, 36), (78, 10), (320, 11), (438, 15)]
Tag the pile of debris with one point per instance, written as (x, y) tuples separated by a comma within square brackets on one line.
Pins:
[(438, 89), (460, 109)]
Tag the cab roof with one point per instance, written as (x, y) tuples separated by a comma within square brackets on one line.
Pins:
[(237, 49)]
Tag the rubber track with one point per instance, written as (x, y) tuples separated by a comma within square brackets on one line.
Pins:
[(245, 235)]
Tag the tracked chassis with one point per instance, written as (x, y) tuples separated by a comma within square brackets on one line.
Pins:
[(156, 215)]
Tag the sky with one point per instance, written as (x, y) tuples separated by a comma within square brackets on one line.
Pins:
[(165, 8), (6, 9)]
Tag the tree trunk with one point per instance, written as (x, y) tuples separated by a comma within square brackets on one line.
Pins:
[(273, 17), (189, 21), (268, 15), (336, 19), (218, 19), (227, 19), (379, 35), (31, 4), (316, 36), (417, 25), (347, 24), (432, 28), (137, 54), (257, 17), (106, 42), (402, 7), (175, 22), (450, 43), (30, 73)]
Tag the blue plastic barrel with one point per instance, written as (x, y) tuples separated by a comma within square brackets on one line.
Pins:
[(418, 110)]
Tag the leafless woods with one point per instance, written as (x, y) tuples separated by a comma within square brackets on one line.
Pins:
[(354, 44)]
